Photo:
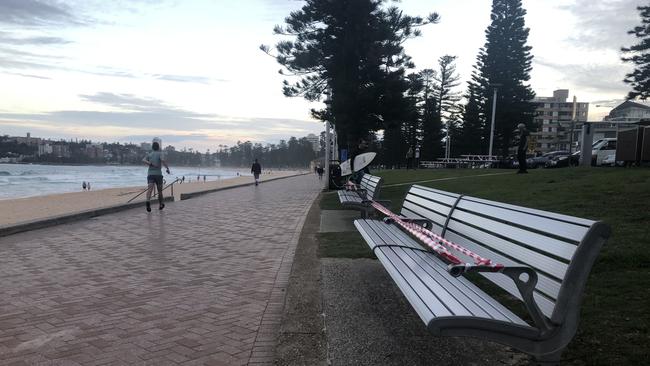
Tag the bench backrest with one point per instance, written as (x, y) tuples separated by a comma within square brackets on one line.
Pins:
[(561, 248), (372, 185)]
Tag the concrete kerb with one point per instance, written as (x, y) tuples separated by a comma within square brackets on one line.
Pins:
[(7, 230), (185, 196)]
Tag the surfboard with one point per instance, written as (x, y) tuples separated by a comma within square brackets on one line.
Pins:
[(360, 161), (363, 160)]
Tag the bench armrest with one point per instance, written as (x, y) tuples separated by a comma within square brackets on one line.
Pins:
[(525, 278)]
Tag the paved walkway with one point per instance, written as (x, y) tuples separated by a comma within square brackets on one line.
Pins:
[(200, 283)]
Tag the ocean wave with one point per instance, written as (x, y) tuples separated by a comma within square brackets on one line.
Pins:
[(4, 173), (30, 172), (29, 179)]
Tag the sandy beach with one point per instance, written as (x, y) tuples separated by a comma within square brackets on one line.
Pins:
[(21, 210)]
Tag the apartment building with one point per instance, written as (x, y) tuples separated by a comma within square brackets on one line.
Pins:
[(554, 118)]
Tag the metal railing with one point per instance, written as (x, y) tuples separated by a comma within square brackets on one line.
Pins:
[(156, 193)]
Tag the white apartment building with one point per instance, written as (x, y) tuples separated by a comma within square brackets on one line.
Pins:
[(554, 116)]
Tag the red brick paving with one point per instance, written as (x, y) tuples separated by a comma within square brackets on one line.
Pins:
[(201, 283)]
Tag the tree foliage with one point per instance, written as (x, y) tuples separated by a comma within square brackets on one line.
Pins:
[(349, 53), (503, 62), (639, 79), (294, 153)]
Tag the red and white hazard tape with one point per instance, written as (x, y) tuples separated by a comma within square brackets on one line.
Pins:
[(438, 243)]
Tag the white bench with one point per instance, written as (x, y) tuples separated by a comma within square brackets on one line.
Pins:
[(548, 258), (360, 198)]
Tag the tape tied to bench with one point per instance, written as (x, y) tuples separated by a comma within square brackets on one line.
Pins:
[(440, 245)]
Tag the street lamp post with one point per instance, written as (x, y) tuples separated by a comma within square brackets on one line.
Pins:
[(494, 109)]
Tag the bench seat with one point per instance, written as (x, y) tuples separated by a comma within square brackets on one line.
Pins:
[(424, 280), (547, 258), (360, 199)]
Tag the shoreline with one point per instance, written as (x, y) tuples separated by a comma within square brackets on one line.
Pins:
[(18, 211)]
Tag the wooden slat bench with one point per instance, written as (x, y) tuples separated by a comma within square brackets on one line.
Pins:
[(360, 199), (548, 258)]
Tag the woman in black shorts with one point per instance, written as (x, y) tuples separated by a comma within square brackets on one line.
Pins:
[(155, 160)]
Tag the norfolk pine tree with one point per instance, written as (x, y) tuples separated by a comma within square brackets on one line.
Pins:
[(505, 60), (639, 79), (350, 51), (447, 79)]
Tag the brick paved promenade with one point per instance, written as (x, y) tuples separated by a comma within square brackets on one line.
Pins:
[(201, 283)]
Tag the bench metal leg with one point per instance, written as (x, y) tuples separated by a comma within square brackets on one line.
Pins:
[(364, 213)]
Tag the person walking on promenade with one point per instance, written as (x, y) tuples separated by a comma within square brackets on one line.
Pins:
[(320, 171), (155, 160), (522, 147), (409, 158), (256, 169)]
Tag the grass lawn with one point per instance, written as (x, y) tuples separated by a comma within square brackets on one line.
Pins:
[(615, 313)]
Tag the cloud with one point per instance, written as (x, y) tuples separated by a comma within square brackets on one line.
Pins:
[(28, 75), (185, 79), (174, 125), (39, 41), (134, 112), (37, 13), (597, 78), (604, 23)]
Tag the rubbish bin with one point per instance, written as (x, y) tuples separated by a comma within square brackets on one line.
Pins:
[(335, 176)]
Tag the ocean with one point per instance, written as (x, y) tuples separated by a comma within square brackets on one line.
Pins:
[(27, 180)]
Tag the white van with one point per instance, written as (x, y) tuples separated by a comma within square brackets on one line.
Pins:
[(601, 148)]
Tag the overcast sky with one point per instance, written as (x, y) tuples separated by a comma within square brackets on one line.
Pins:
[(191, 71)]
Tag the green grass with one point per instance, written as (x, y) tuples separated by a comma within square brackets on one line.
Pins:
[(343, 245), (615, 312)]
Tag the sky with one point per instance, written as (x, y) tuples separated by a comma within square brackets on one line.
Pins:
[(191, 71)]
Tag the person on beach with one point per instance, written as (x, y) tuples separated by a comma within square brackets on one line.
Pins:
[(256, 169), (155, 160), (88, 184), (204, 179), (83, 185)]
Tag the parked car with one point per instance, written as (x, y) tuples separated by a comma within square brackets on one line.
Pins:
[(540, 161), (561, 161), (610, 160), (601, 149)]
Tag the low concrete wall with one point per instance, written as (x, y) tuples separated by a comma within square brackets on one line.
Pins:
[(64, 219)]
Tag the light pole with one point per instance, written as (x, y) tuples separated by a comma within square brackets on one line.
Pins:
[(494, 109), (328, 146)]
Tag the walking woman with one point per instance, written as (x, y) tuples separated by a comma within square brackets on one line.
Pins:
[(155, 160)]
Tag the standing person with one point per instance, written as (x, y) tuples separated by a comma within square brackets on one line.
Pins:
[(88, 184), (417, 157), (256, 169), (320, 171), (155, 160), (522, 147), (83, 185), (204, 179), (409, 158), (362, 146)]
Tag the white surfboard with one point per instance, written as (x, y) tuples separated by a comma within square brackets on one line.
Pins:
[(363, 160), (360, 161)]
